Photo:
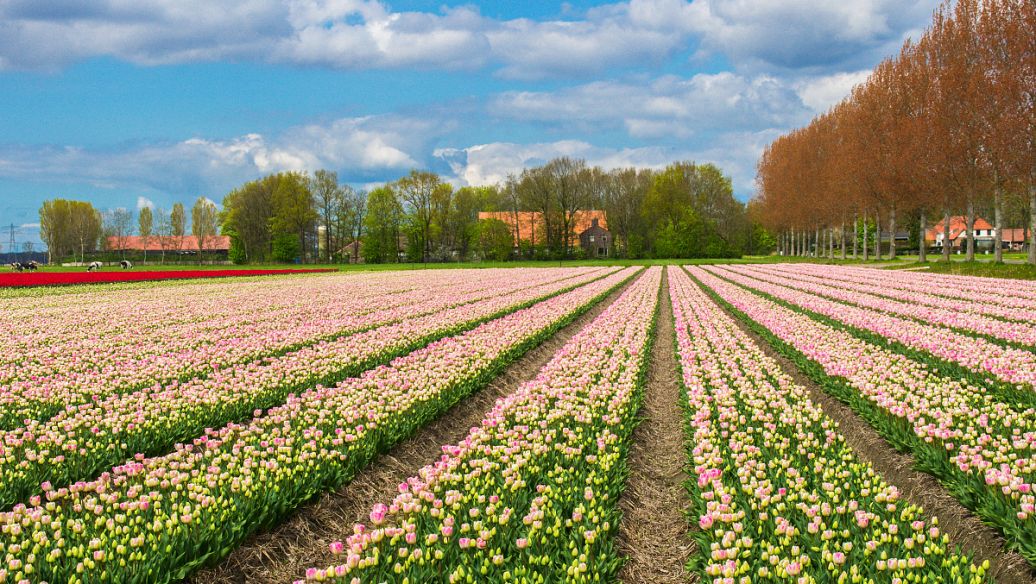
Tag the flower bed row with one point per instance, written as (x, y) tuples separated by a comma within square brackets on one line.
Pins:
[(55, 326), (155, 519), (779, 494), (979, 447), (118, 330), (531, 494), (78, 443), (72, 278), (888, 283), (919, 307), (1003, 291), (1005, 364), (44, 396)]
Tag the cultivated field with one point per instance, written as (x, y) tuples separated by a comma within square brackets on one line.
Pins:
[(724, 423)]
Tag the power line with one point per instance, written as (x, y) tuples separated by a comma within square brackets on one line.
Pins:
[(12, 246)]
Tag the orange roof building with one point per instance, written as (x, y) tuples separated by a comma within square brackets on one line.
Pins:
[(531, 228), (958, 228), (156, 243)]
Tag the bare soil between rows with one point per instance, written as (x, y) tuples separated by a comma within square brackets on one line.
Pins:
[(283, 553), (965, 529), (653, 533)]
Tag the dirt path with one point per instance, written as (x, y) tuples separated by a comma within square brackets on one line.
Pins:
[(283, 553), (964, 528), (653, 534)]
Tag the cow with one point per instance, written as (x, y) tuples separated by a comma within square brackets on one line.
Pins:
[(125, 264), (94, 267), (31, 266), (16, 266)]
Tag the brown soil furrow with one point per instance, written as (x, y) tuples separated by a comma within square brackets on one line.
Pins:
[(283, 553), (653, 534), (965, 529)]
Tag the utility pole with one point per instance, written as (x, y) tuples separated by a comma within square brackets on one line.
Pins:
[(12, 246)]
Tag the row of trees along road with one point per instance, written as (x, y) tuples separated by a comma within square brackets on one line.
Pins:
[(76, 229), (948, 127), (684, 210)]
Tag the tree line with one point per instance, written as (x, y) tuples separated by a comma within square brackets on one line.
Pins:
[(685, 210), (946, 127), (76, 229)]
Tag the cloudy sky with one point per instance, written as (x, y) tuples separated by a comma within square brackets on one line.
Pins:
[(129, 102)]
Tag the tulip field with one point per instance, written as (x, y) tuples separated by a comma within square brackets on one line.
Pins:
[(147, 431)]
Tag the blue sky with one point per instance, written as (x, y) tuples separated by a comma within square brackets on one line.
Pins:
[(129, 103)]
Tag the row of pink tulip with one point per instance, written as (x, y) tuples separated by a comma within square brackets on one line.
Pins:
[(965, 289), (47, 324), (79, 442), (961, 433), (530, 495), (1005, 363), (131, 324), (43, 396), (155, 519), (778, 492), (918, 305)]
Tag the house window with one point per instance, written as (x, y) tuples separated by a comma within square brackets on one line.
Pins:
[(591, 239)]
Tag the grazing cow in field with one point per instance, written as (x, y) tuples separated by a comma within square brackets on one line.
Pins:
[(31, 266), (125, 264), (16, 266), (94, 267)]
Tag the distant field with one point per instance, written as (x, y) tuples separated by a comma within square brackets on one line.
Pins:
[(57, 278)]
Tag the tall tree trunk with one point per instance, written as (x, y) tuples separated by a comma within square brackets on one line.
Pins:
[(922, 250), (856, 236), (892, 232), (841, 233), (946, 243), (816, 244), (998, 223), (970, 230), (1032, 223), (877, 234), (830, 243), (866, 248)]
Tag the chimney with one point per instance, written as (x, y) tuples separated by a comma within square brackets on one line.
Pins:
[(593, 222)]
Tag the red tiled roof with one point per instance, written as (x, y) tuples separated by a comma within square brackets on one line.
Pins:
[(155, 243), (530, 223), (958, 225)]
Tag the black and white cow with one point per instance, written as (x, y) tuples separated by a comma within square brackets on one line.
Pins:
[(94, 267), (125, 264)]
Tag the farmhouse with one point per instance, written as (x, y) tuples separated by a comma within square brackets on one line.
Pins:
[(528, 226), (1015, 239), (984, 234), (218, 244), (595, 240)]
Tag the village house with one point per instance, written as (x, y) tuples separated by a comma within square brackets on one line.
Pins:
[(595, 240), (186, 245), (527, 226), (984, 234)]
